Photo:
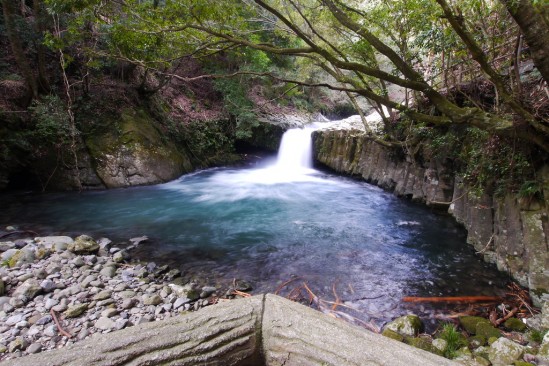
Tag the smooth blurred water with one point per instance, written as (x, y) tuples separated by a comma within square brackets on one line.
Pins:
[(267, 224)]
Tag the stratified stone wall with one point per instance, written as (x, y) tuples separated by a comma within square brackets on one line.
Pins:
[(508, 231)]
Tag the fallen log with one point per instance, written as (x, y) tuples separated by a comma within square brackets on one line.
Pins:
[(465, 299)]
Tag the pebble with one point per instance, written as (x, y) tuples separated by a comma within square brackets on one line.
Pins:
[(95, 293)]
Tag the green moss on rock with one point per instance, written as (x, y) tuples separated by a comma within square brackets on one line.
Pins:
[(515, 324), (487, 330), (469, 323), (393, 335)]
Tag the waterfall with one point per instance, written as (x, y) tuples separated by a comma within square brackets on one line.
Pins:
[(296, 150)]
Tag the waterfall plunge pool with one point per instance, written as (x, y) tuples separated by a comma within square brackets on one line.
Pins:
[(275, 221)]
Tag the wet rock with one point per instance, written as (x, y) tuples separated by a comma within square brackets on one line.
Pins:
[(408, 325), (207, 291), (121, 256), (30, 288), (83, 244), (505, 352), (76, 310), (241, 285), (2, 287)]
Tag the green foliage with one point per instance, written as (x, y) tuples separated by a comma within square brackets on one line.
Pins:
[(486, 162), (236, 102), (455, 340), (51, 124)]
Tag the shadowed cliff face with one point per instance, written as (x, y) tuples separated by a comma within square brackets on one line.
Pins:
[(507, 231)]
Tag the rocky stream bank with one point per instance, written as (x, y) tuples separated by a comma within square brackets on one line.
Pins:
[(56, 290)]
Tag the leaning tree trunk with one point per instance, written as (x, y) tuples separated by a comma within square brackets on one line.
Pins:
[(17, 47), (535, 29)]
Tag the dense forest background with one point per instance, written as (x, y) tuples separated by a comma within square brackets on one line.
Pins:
[(460, 80)]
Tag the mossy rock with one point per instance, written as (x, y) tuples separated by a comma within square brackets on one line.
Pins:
[(469, 323), (515, 324), (423, 344), (522, 363), (130, 150), (487, 330), (393, 335), (408, 325), (491, 340), (477, 341)]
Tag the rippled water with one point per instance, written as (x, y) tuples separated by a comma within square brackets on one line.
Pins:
[(266, 225)]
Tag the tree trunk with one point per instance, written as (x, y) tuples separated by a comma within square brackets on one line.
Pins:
[(535, 31), (17, 47), (39, 27)]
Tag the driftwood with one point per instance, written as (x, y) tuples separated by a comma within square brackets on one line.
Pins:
[(462, 299)]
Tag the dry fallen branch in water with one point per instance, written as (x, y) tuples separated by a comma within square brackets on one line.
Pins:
[(59, 328), (463, 299), (285, 284)]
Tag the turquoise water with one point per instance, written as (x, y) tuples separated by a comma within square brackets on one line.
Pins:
[(265, 225)]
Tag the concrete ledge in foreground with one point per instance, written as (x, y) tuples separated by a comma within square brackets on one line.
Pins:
[(261, 330)]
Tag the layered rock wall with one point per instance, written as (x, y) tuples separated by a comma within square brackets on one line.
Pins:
[(510, 232)]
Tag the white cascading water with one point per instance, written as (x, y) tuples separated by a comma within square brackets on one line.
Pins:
[(296, 151)]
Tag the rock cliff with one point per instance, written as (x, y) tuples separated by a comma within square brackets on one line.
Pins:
[(508, 231)]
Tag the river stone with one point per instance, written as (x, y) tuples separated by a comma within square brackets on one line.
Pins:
[(207, 291), (487, 330), (30, 288), (440, 344), (34, 348), (6, 245), (103, 295), (76, 310), (23, 256), (51, 241), (505, 352), (18, 343), (14, 319), (48, 285), (127, 294), (515, 324), (50, 303), (104, 323), (469, 323), (109, 313), (152, 299), (128, 303), (108, 271), (187, 291), (408, 325), (180, 302), (44, 320), (6, 256), (84, 244)]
